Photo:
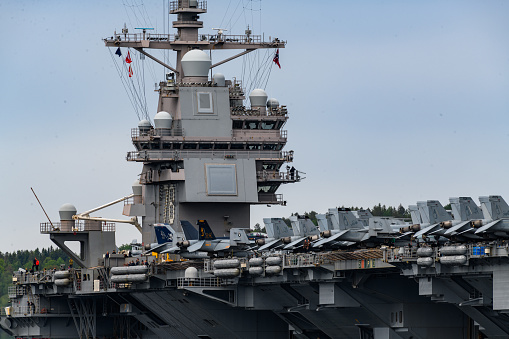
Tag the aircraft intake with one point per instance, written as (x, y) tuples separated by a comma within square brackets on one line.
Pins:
[(313, 237), (184, 243), (476, 223), (446, 224), (287, 240), (326, 234), (260, 242)]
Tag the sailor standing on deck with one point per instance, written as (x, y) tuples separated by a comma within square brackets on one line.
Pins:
[(35, 265)]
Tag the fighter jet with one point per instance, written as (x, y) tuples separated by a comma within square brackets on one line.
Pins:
[(207, 242), (346, 228), (166, 237), (303, 229), (276, 229), (432, 213), (496, 217), (465, 213)]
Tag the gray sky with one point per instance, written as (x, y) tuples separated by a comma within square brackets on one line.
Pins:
[(389, 101)]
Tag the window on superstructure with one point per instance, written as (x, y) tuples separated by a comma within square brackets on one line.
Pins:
[(221, 146), (270, 166), (267, 188), (205, 102), (252, 124), (237, 146), (268, 125), (177, 145), (253, 147), (237, 124), (269, 147), (189, 146), (205, 146)]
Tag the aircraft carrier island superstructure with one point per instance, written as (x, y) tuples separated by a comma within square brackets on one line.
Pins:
[(206, 159)]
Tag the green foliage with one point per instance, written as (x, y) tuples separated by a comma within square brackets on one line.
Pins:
[(48, 258), (384, 211), (377, 211), (125, 247)]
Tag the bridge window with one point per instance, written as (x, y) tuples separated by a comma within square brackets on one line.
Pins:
[(268, 125), (221, 146), (252, 124), (237, 124), (205, 102)]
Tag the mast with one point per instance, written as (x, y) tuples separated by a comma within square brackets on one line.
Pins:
[(207, 156), (188, 37)]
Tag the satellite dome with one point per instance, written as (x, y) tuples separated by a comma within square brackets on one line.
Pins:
[(272, 103), (163, 120), (191, 272), (196, 63), (67, 211), (219, 79), (144, 124), (258, 98), (137, 187)]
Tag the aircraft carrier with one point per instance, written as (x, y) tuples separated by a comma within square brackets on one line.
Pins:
[(207, 158)]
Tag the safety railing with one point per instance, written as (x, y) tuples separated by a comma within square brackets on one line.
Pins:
[(243, 111), (287, 176), (203, 282), (240, 39), (176, 5), (156, 132), (77, 226), (270, 198), (160, 155)]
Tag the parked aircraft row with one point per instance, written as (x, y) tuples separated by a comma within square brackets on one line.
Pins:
[(343, 228), (468, 221)]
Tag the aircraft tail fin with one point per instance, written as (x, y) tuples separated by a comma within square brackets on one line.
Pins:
[(189, 231), (499, 207), (464, 208), (205, 232), (297, 230), (437, 212), (414, 213), (324, 223), (164, 234), (333, 215), (281, 229), (308, 227), (348, 220), (239, 236), (424, 212), (269, 227)]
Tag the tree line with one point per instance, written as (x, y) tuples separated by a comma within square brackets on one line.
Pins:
[(377, 211), (49, 258)]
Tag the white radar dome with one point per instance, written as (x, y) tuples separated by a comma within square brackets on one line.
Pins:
[(144, 124), (272, 103), (67, 211), (137, 188), (219, 79), (196, 63), (163, 120), (258, 98), (191, 272)]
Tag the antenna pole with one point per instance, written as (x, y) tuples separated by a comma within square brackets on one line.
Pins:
[(42, 207)]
